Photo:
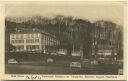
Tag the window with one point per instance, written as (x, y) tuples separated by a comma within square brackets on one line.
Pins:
[(32, 47), (22, 41), (18, 41), (32, 35), (37, 40), (46, 42), (20, 48), (48, 39), (26, 41), (28, 35), (13, 36), (37, 47), (28, 47), (17, 36), (45, 38), (32, 40), (36, 35), (21, 36), (15, 41), (29, 41), (12, 41)]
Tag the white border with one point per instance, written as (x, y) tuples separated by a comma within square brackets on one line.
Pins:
[(2, 42)]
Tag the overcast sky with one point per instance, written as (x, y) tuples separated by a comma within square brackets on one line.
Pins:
[(83, 10)]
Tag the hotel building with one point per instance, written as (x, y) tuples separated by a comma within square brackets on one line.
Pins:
[(32, 41)]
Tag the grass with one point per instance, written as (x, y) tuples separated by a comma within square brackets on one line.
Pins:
[(50, 69)]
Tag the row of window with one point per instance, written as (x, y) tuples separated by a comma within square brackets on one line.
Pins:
[(20, 48), (50, 41), (20, 36), (28, 47), (32, 41), (17, 41), (27, 41), (31, 47)]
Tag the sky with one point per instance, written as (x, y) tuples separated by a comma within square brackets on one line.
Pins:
[(90, 11)]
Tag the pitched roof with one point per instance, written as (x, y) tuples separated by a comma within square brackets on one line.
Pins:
[(29, 31)]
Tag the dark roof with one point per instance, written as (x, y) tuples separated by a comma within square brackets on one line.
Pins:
[(27, 31)]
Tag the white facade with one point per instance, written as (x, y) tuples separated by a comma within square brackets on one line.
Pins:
[(26, 42), (33, 41)]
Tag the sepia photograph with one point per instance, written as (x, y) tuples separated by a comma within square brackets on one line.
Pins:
[(64, 38)]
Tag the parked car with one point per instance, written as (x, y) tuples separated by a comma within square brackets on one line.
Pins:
[(75, 65), (50, 60), (53, 53), (12, 61)]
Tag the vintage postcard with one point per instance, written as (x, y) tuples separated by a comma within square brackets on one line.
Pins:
[(63, 40)]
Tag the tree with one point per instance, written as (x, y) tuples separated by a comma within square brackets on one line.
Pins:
[(108, 35)]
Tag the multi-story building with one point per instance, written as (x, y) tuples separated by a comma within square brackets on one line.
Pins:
[(32, 41)]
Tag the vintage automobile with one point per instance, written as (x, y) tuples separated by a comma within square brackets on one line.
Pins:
[(50, 60), (53, 53), (12, 61), (75, 65)]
